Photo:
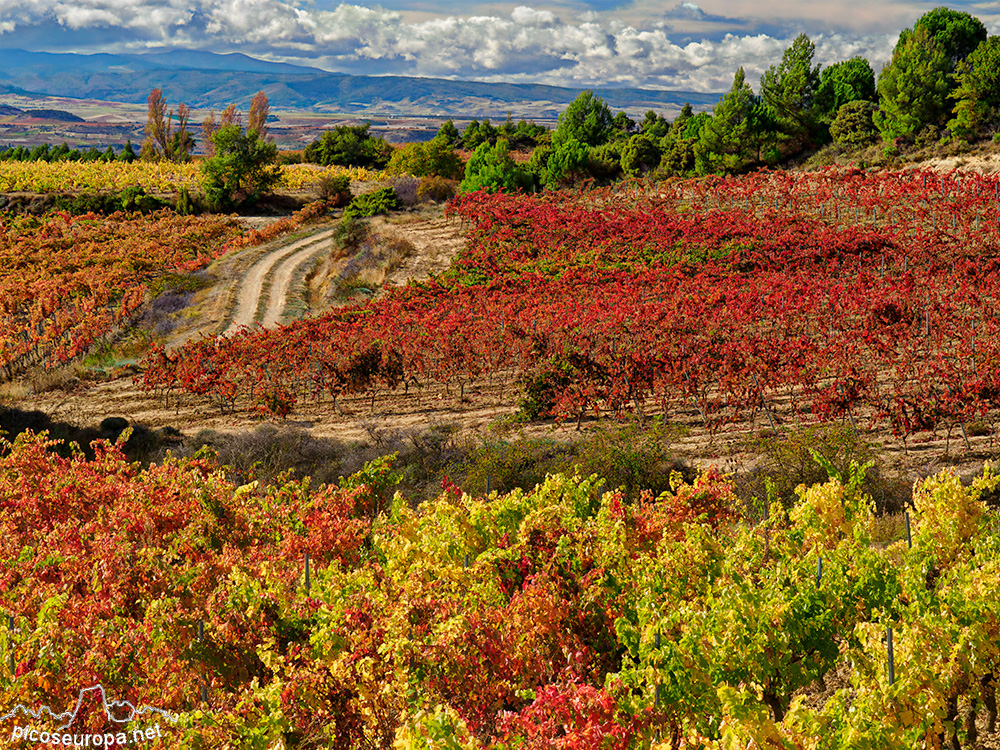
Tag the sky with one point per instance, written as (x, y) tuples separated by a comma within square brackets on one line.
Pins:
[(681, 46)]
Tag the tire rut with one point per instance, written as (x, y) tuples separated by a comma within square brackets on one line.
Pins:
[(279, 267)]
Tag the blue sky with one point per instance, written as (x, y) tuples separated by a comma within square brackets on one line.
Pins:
[(677, 45)]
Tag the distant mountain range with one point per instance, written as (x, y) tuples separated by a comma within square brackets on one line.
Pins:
[(206, 79)]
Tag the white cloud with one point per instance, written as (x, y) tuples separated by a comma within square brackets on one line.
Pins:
[(530, 17), (529, 44)]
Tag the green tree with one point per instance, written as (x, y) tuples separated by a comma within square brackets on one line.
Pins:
[(790, 88), (128, 154), (854, 124), (477, 133), (640, 154), (622, 126), (528, 134), (655, 126), (738, 133), (349, 146), (566, 164), (449, 132), (977, 96), (587, 119), (955, 32), (436, 157), (843, 82), (242, 170), (678, 145), (491, 168), (913, 87)]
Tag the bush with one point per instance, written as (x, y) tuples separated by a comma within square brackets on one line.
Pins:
[(434, 158), (350, 232), (134, 198), (184, 206), (632, 457), (335, 189), (436, 189), (406, 188), (786, 461), (378, 202), (493, 169), (854, 124)]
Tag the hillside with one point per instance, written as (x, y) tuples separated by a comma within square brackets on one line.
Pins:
[(205, 79)]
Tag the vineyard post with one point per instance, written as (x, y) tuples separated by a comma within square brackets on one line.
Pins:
[(488, 483), (819, 570), (764, 404), (888, 648), (465, 561), (909, 538), (974, 348), (965, 435), (307, 573), (204, 679), (10, 645), (656, 689)]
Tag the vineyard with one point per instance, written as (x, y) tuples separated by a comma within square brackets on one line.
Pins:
[(867, 298), (153, 177), (279, 614), (564, 617), (67, 282)]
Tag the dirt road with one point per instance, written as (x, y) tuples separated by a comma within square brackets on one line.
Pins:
[(267, 283)]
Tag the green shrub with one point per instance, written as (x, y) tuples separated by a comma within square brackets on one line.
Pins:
[(184, 206), (434, 158), (378, 202), (854, 124), (350, 232)]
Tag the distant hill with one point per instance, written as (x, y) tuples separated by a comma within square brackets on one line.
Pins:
[(57, 115), (205, 79)]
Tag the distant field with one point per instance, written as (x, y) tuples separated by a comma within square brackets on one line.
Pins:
[(67, 177)]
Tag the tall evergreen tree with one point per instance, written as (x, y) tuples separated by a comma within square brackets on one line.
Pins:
[(977, 96), (587, 119), (955, 32), (789, 88), (738, 133), (913, 87), (845, 81)]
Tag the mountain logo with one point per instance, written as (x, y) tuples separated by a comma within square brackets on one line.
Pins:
[(116, 712)]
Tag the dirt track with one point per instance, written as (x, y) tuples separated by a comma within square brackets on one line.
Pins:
[(277, 267)]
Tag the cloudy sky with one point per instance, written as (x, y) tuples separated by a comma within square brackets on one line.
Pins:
[(668, 45)]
